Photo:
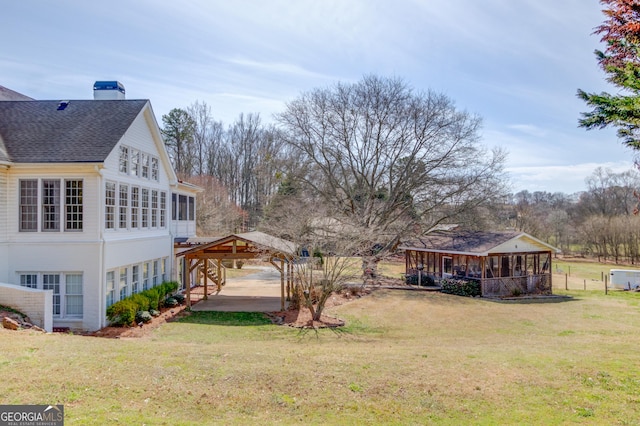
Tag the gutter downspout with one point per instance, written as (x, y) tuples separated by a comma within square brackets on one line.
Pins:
[(102, 321)]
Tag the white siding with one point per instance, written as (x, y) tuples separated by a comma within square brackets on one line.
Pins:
[(520, 245), (4, 247), (94, 250)]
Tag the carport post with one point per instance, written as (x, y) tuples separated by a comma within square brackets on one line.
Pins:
[(187, 282), (204, 278), (282, 273)]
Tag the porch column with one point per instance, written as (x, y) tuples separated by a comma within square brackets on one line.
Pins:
[(282, 274), (204, 278), (187, 281)]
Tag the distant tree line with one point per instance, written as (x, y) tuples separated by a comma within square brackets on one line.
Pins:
[(597, 222), (376, 162)]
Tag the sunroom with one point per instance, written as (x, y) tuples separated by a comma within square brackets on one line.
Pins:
[(506, 263)]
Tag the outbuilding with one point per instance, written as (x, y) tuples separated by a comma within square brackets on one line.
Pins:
[(505, 263)]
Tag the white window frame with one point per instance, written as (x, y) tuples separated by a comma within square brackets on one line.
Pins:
[(28, 217), (155, 169), (73, 205), (124, 283), (163, 209), (144, 162), (50, 204), (123, 206), (135, 279), (144, 211), (145, 276), (154, 208), (110, 288), (124, 160), (110, 197), (60, 283), (135, 207), (135, 163)]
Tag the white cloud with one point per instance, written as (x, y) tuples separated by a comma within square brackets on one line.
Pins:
[(529, 129), (566, 178)]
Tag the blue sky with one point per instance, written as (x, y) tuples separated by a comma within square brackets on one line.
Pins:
[(516, 63)]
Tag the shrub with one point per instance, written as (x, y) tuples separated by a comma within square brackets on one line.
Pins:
[(122, 313), (170, 302), (154, 313), (467, 288), (143, 316), (153, 296), (425, 280), (167, 288), (180, 298), (141, 301)]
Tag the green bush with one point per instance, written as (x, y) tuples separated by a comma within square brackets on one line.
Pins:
[(180, 298), (143, 316), (122, 313), (170, 302), (154, 298), (425, 280), (141, 300), (467, 288), (154, 313)]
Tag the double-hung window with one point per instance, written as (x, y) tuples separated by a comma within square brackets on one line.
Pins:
[(73, 205), (28, 205), (154, 208), (124, 206), (67, 290), (145, 207), (135, 206), (124, 159), (155, 169), (110, 296), (110, 205), (163, 209), (50, 205)]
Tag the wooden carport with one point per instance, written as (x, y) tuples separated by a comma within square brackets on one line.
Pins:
[(249, 245)]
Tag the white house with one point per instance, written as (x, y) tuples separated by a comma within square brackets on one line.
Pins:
[(89, 202)]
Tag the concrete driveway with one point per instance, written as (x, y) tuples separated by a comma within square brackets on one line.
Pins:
[(256, 292)]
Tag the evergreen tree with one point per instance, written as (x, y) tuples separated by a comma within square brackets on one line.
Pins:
[(621, 61)]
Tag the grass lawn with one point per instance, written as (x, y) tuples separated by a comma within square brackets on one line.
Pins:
[(405, 357), (578, 274)]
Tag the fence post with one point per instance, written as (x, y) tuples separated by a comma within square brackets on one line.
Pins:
[(566, 282), (585, 284), (606, 289)]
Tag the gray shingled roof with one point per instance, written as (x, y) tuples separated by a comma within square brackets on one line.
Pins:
[(86, 131), (460, 241)]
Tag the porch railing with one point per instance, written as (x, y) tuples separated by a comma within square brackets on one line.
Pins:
[(516, 286)]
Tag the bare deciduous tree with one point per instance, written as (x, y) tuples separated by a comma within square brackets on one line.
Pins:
[(388, 162), (216, 214)]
